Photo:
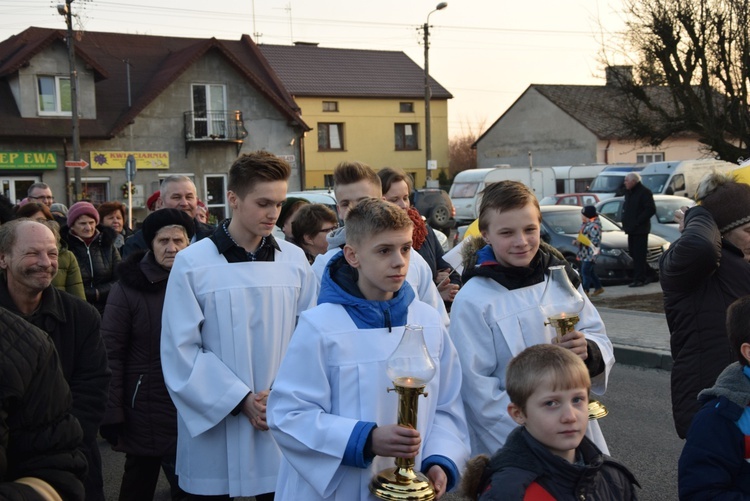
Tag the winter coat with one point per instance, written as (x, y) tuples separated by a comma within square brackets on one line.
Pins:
[(98, 261), (73, 325), (591, 229), (432, 252), (713, 463), (38, 435), (701, 274), (637, 209), (68, 277), (523, 460), (131, 328)]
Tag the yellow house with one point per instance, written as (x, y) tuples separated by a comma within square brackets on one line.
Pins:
[(365, 105)]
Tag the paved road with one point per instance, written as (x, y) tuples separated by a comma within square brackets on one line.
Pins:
[(638, 429)]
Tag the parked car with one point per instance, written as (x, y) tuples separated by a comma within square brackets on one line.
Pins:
[(560, 225), (436, 207), (662, 223), (579, 199)]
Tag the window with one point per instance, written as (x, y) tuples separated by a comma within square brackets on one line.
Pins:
[(330, 106), (406, 107), (647, 158), (54, 95), (406, 137), (216, 203), (330, 136), (209, 111), (328, 180)]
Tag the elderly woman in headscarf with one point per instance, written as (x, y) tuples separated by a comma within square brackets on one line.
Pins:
[(701, 274), (94, 247), (141, 419)]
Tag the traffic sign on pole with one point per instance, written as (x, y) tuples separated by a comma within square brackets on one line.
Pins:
[(76, 164)]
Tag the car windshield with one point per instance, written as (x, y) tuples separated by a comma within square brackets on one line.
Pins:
[(665, 209), (569, 222), (606, 184), (655, 182), (464, 190), (548, 201)]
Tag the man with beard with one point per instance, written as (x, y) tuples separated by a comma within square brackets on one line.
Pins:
[(28, 258)]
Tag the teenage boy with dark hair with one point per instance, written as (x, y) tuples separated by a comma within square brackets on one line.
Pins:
[(329, 411), (352, 183), (231, 306), (714, 462), (548, 456)]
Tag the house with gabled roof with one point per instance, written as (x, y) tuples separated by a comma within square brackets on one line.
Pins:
[(552, 125), (178, 105), (365, 105)]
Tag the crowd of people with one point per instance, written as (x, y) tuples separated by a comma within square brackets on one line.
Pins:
[(240, 364)]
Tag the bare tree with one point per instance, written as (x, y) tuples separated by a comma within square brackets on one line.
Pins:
[(692, 71), (461, 154)]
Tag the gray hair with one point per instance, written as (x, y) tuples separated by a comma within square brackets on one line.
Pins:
[(9, 232), (175, 178), (40, 185), (633, 176)]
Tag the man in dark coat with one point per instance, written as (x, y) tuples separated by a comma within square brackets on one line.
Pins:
[(177, 192), (636, 221), (28, 257), (38, 435)]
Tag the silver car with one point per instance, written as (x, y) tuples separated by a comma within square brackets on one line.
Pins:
[(662, 223)]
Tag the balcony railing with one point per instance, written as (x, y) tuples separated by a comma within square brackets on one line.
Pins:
[(218, 126)]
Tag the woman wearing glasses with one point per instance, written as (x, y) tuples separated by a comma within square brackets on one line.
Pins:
[(311, 224)]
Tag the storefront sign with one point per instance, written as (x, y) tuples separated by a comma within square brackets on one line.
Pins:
[(117, 159), (28, 160)]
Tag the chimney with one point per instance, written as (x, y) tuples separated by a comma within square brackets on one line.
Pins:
[(618, 76)]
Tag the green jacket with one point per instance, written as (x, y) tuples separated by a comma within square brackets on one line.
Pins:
[(68, 276)]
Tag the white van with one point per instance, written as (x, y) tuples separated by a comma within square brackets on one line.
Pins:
[(466, 190), (576, 178), (680, 177), (611, 180)]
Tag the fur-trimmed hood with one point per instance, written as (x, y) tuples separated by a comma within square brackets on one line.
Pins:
[(141, 272)]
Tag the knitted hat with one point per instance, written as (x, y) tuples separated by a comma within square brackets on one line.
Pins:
[(166, 217), (727, 200), (59, 208), (151, 202), (79, 209), (287, 209), (589, 211)]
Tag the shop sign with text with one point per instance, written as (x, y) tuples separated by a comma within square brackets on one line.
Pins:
[(117, 159), (28, 160)]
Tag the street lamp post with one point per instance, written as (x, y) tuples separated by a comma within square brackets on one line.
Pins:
[(427, 90), (67, 11)]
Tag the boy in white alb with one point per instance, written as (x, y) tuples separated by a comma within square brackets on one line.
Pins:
[(231, 305), (329, 410)]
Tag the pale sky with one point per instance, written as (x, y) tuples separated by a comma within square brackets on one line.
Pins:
[(485, 52)]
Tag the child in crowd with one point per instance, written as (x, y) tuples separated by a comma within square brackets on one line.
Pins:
[(230, 308), (714, 462), (588, 242), (548, 456), (329, 410), (497, 314)]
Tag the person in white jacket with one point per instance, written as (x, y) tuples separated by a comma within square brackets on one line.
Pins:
[(352, 183), (231, 305), (329, 410), (496, 315)]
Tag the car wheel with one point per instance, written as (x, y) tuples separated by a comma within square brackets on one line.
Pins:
[(440, 217)]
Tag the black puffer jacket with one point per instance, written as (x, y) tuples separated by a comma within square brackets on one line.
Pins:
[(97, 261), (138, 398), (523, 460), (701, 275), (637, 210), (38, 435)]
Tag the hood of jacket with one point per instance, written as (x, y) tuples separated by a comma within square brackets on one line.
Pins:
[(141, 272), (339, 286), (337, 238), (732, 384), (105, 237), (479, 261)]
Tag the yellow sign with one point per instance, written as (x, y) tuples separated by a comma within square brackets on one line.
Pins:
[(117, 159)]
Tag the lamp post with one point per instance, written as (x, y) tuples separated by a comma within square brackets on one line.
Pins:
[(66, 11), (427, 90)]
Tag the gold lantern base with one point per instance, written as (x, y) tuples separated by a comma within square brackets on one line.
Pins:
[(402, 483), (597, 410)]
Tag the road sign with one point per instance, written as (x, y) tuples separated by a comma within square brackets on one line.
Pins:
[(130, 168), (77, 164)]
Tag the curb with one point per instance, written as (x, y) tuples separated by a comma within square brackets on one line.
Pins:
[(643, 357)]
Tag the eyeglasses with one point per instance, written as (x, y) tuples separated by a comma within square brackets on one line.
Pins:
[(45, 198), (327, 230)]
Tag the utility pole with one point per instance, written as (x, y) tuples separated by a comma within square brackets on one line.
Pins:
[(428, 92), (67, 11)]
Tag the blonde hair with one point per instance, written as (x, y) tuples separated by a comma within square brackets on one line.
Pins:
[(372, 216), (544, 363), (503, 196)]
